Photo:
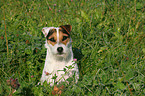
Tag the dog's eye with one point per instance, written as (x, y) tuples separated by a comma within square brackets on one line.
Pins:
[(64, 38), (52, 39)]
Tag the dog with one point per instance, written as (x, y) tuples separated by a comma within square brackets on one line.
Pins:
[(59, 64)]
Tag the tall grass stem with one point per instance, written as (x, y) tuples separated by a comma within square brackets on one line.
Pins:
[(6, 35)]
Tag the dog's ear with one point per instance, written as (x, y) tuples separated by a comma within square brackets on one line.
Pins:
[(67, 28), (45, 31)]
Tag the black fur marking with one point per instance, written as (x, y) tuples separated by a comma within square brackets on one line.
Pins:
[(64, 31), (51, 31)]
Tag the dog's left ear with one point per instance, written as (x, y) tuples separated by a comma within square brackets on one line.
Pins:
[(66, 28), (45, 31)]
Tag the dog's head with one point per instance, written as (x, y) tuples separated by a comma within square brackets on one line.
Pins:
[(58, 40)]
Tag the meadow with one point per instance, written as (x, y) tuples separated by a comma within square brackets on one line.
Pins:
[(108, 42)]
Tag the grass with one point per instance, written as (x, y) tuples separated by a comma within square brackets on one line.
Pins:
[(110, 35)]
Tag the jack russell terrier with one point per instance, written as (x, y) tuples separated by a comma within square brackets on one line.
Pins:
[(59, 64)]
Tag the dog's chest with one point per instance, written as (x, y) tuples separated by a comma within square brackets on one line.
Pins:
[(58, 66), (55, 67)]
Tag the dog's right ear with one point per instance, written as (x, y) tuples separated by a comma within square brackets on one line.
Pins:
[(45, 30)]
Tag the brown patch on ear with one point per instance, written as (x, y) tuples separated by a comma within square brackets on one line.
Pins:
[(67, 28), (64, 38)]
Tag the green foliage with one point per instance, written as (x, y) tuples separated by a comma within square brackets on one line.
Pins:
[(110, 34)]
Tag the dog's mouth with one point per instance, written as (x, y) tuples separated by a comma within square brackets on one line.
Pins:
[(60, 54)]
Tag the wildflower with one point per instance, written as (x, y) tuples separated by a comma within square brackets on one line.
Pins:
[(50, 8), (17, 35), (13, 83), (57, 91), (74, 59), (2, 38), (46, 73), (27, 42)]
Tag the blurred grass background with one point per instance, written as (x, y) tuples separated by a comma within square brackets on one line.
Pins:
[(110, 35)]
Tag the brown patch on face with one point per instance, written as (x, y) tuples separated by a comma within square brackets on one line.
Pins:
[(63, 38), (52, 37)]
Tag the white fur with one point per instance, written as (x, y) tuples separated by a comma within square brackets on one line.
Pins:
[(55, 63)]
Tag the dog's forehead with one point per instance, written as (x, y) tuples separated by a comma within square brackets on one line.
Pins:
[(51, 30)]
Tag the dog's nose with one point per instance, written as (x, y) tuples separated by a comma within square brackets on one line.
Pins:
[(60, 49)]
